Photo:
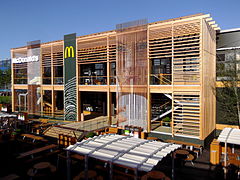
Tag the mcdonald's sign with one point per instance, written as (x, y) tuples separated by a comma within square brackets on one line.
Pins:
[(70, 91), (69, 52)]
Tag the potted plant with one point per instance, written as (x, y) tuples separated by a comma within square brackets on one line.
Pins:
[(166, 121), (13, 135), (90, 135)]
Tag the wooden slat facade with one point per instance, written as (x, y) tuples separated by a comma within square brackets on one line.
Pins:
[(189, 43)]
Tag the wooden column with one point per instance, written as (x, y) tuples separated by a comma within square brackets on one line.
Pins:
[(109, 107), (79, 107), (53, 102), (201, 103), (79, 117), (172, 78), (12, 77), (148, 85), (52, 81), (41, 81), (109, 95)]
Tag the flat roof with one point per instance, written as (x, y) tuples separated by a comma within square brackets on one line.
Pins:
[(230, 30), (113, 31)]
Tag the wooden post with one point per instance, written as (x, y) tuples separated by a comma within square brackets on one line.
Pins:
[(109, 94), (77, 89), (52, 80), (148, 86), (109, 107), (12, 77), (172, 79)]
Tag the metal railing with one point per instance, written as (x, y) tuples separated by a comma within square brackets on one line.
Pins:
[(20, 80), (161, 79), (93, 80), (113, 80), (58, 80), (46, 80)]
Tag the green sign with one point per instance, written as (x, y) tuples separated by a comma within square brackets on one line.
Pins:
[(70, 91)]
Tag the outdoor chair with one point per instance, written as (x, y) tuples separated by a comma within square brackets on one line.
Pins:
[(190, 158)]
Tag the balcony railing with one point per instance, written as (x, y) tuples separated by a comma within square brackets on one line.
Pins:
[(155, 79), (46, 80), (20, 80), (112, 80), (161, 79), (93, 80), (58, 80)]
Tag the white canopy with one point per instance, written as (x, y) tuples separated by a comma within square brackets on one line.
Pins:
[(124, 150), (230, 135), (7, 115)]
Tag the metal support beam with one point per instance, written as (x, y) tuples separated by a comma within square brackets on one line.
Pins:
[(86, 167), (173, 165), (68, 165), (135, 174), (110, 170)]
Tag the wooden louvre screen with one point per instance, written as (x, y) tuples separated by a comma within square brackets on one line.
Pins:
[(112, 48), (180, 43), (33, 99), (92, 51), (160, 43), (20, 66), (46, 56), (20, 69), (186, 49), (57, 51), (186, 113)]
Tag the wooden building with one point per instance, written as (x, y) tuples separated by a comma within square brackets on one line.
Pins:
[(177, 69)]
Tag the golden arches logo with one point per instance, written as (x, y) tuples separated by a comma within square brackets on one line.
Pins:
[(69, 52)]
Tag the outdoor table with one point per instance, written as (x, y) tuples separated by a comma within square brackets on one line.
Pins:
[(182, 152), (91, 175), (154, 175), (77, 156), (235, 162), (41, 165), (181, 155), (41, 169)]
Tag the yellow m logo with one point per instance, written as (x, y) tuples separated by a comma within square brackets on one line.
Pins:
[(69, 52)]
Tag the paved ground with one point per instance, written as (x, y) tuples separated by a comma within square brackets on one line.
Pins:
[(200, 170)]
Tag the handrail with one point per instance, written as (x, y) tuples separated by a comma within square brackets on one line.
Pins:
[(164, 104), (162, 78)]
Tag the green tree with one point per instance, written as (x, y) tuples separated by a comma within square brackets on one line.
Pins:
[(5, 78), (228, 95)]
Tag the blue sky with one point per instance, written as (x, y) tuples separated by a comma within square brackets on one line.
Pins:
[(48, 20)]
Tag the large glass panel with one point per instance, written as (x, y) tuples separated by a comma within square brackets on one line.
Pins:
[(58, 74), (161, 112), (93, 74), (46, 75), (20, 100), (113, 73), (47, 102), (161, 71)]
